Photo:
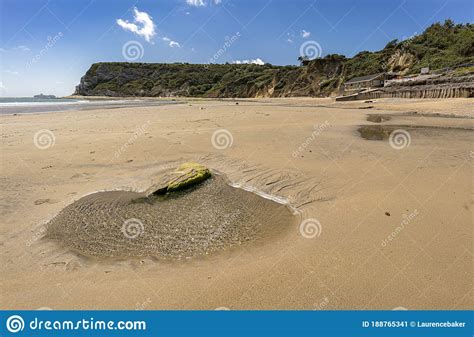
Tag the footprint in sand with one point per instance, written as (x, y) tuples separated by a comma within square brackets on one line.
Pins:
[(81, 175), (45, 201)]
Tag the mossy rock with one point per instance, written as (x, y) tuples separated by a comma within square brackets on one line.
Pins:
[(189, 174), (185, 176)]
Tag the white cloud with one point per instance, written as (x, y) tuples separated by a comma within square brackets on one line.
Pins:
[(147, 29), (202, 3), (258, 61), (196, 3), (305, 34), (171, 43), (11, 72), (2, 87), (20, 48)]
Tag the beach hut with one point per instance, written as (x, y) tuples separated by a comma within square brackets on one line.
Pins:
[(364, 82)]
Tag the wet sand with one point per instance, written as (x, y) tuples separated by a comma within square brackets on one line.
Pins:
[(384, 225), (206, 218)]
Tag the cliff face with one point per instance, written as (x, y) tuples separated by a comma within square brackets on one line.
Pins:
[(440, 46), (318, 78), (198, 80)]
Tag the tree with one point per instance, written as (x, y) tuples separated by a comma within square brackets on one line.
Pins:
[(391, 44), (449, 23), (304, 60)]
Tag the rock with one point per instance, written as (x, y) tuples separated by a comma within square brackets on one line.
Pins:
[(185, 176)]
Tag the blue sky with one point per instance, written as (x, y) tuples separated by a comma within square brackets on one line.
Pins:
[(47, 45)]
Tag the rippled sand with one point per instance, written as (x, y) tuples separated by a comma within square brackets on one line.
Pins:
[(206, 218)]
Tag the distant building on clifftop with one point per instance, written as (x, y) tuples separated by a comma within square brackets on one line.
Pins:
[(361, 83)]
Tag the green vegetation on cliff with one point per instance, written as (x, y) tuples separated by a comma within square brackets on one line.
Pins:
[(439, 46)]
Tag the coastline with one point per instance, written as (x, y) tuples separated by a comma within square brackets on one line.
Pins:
[(77, 104)]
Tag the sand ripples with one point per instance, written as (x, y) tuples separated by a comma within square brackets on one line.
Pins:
[(210, 217)]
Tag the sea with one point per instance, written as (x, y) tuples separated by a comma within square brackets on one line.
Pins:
[(26, 105)]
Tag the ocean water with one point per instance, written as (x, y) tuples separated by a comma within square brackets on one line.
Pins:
[(24, 105), (31, 100)]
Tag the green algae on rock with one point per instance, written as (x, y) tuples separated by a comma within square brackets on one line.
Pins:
[(190, 174), (185, 176)]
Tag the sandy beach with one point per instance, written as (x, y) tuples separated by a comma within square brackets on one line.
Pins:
[(382, 224)]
